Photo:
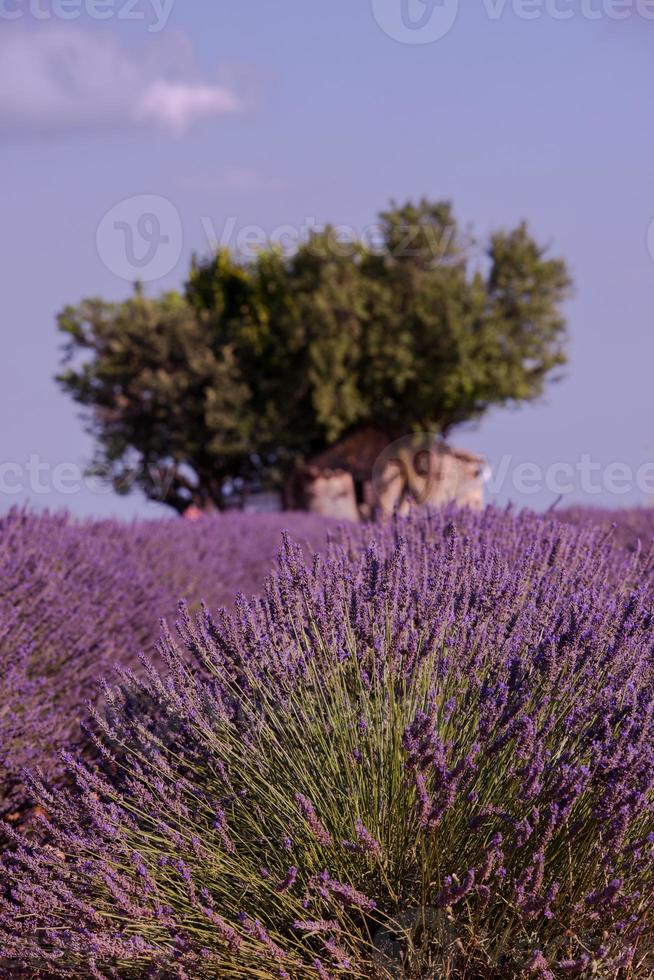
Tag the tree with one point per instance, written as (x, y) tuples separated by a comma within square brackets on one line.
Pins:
[(261, 363)]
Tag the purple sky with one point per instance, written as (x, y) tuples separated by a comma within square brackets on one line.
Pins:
[(258, 113)]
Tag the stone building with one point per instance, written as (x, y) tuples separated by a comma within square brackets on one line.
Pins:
[(367, 475)]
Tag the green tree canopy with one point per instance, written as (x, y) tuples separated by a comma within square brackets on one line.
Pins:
[(262, 362)]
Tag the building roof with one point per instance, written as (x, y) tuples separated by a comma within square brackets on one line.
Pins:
[(356, 453)]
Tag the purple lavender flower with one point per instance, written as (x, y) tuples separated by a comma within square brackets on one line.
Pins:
[(307, 810), (288, 881)]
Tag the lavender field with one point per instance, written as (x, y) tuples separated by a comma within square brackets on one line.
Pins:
[(423, 749), (77, 598), (327, 490)]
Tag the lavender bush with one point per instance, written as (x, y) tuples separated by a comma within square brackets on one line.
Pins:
[(77, 597), (632, 529), (429, 754)]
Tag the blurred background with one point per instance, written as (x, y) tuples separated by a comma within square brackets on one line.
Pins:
[(286, 115)]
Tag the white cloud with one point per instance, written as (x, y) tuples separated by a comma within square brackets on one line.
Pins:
[(64, 79), (176, 105)]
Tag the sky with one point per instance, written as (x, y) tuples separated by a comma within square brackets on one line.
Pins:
[(134, 133)]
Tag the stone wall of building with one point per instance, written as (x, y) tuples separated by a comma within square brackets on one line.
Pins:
[(402, 478)]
